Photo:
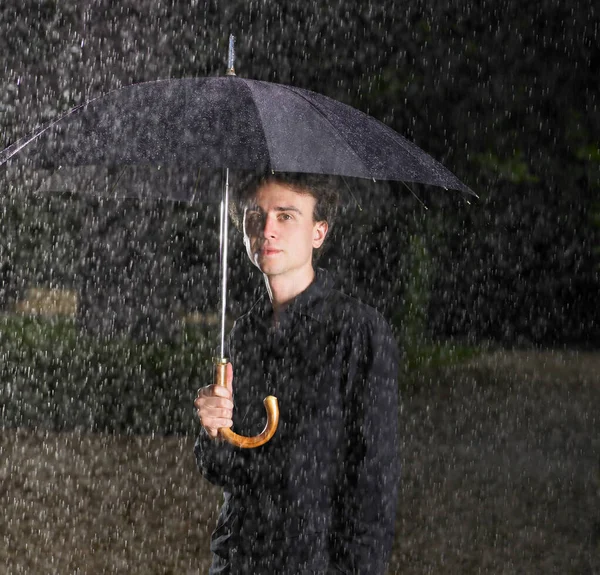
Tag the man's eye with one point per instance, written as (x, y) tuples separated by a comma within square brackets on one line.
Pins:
[(285, 217)]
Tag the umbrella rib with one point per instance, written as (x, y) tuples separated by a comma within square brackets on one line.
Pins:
[(409, 147), (258, 113), (13, 149), (337, 131), (20, 144), (390, 135), (404, 143)]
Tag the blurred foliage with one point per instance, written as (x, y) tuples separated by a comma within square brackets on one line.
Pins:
[(503, 92), (591, 157), (413, 321), (423, 355), (53, 376), (515, 169), (422, 361), (595, 219)]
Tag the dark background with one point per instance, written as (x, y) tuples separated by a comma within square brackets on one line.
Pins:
[(500, 453), (503, 93)]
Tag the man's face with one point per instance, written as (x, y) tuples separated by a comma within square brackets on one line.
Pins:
[(279, 231)]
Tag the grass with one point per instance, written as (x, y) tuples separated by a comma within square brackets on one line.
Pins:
[(418, 357), (500, 475)]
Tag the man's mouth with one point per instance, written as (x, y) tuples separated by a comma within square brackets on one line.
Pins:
[(269, 251)]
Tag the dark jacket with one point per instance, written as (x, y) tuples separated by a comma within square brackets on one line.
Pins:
[(321, 495)]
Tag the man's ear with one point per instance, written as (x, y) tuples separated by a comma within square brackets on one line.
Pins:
[(320, 230)]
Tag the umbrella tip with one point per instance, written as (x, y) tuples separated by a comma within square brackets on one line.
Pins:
[(231, 56)]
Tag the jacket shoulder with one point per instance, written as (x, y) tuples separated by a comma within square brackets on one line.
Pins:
[(348, 311)]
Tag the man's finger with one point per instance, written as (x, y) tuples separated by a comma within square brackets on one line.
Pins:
[(212, 403), (214, 424), (212, 391), (217, 413), (224, 422), (220, 391)]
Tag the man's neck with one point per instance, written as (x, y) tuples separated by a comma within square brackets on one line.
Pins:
[(284, 288)]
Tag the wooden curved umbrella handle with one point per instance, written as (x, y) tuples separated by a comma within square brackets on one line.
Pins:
[(271, 406)]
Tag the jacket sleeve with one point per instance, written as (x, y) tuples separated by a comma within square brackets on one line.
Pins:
[(219, 462), (366, 500)]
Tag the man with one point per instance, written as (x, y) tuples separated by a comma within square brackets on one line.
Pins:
[(320, 496)]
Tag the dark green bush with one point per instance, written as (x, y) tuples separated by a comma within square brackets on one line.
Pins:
[(54, 376)]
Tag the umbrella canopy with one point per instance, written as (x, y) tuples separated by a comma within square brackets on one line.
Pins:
[(222, 122)]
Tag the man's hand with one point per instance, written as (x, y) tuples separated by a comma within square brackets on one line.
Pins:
[(214, 405)]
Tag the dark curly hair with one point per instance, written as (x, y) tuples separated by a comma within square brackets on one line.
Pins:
[(324, 188)]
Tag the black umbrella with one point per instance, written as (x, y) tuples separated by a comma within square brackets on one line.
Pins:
[(156, 139), (219, 122)]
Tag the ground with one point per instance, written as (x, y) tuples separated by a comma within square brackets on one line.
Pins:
[(501, 474)]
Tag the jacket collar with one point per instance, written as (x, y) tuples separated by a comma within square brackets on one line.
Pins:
[(310, 302)]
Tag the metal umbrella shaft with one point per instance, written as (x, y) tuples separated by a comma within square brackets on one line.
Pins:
[(223, 248), (221, 361)]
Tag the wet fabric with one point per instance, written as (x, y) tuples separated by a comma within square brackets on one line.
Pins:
[(114, 145), (321, 495)]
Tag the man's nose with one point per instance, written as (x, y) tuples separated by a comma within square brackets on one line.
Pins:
[(269, 227)]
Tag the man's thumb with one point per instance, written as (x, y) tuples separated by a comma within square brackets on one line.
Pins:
[(229, 378)]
